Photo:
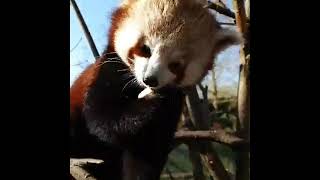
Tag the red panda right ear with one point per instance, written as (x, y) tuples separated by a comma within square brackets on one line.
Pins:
[(225, 38)]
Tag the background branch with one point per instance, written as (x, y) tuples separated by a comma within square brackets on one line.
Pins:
[(223, 10), (76, 45), (78, 172), (220, 9), (219, 136)]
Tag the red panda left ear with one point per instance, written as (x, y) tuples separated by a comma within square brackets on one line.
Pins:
[(225, 38)]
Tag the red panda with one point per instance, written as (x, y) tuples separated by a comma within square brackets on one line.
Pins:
[(163, 45)]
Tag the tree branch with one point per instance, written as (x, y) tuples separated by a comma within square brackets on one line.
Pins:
[(178, 176), (219, 136), (222, 10), (243, 159), (76, 45), (199, 113), (78, 172), (204, 91), (227, 24)]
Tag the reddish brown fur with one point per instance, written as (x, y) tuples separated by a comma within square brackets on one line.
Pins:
[(80, 87), (117, 17)]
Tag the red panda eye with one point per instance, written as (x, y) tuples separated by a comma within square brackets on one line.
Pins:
[(174, 67), (146, 50)]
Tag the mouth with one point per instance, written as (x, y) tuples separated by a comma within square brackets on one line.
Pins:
[(168, 89)]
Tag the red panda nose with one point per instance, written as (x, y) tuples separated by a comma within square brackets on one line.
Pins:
[(151, 81)]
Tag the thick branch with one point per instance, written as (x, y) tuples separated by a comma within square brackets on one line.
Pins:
[(219, 136), (243, 159), (199, 115), (195, 158), (177, 176), (80, 173)]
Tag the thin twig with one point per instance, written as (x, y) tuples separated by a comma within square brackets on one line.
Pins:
[(222, 10), (76, 45)]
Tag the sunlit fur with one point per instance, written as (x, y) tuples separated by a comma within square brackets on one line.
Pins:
[(176, 31)]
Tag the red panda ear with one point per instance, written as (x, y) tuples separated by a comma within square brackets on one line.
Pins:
[(225, 38)]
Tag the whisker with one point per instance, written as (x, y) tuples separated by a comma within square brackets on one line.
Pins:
[(104, 62), (113, 58), (132, 80), (110, 53), (127, 69), (137, 83)]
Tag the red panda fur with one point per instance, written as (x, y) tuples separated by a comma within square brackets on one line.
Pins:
[(79, 88), (82, 83), (138, 132), (133, 136)]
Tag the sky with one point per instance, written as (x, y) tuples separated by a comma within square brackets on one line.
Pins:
[(97, 14)]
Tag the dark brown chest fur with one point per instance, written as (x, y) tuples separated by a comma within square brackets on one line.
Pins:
[(126, 132)]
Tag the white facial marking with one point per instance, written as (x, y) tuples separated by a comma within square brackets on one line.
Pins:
[(140, 65), (126, 37), (153, 63), (158, 67)]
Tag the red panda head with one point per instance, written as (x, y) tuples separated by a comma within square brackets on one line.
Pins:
[(168, 42)]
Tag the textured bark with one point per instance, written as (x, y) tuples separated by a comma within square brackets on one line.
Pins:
[(243, 160), (195, 158), (221, 9), (214, 90), (199, 114), (78, 172), (219, 136)]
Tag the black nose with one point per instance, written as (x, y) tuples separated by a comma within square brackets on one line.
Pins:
[(151, 81)]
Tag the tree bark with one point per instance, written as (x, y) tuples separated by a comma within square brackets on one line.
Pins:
[(219, 136), (223, 10), (243, 159), (194, 153), (195, 158), (214, 90), (199, 114), (78, 172), (85, 29)]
